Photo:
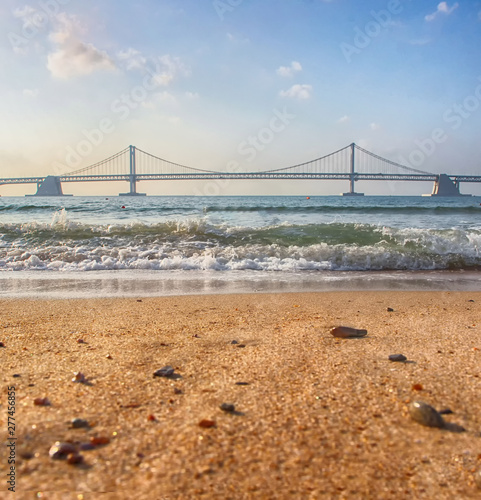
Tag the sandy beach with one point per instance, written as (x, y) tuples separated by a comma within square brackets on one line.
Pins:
[(315, 416)]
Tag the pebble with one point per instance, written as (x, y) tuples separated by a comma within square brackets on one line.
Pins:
[(390, 310), (75, 459), (228, 407), (79, 423), (16, 375), (41, 402), (242, 383), (345, 332), (99, 440), (109, 356), (61, 450), (2, 344), (81, 341), (234, 342), (79, 377), (166, 371), (240, 345), (424, 414), (397, 357), (206, 424)]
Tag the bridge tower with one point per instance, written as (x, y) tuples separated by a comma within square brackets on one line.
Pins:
[(352, 176), (444, 186), (50, 186), (132, 175)]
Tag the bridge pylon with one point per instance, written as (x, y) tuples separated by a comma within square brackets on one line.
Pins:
[(50, 186), (352, 175), (132, 176)]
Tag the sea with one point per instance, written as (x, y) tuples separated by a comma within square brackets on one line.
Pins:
[(69, 247)]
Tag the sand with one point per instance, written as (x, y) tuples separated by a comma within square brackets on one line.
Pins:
[(319, 417)]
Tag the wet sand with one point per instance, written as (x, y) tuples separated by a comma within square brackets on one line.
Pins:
[(316, 416)]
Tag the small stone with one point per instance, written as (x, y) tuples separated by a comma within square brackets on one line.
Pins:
[(177, 390), (16, 375), (166, 371), (240, 345), (79, 377), (345, 332), (41, 402), (75, 459), (61, 450), (390, 310), (424, 414), (2, 344), (227, 407), (397, 357), (206, 424), (234, 342), (81, 341), (99, 440), (470, 300), (151, 418), (242, 383), (79, 423), (109, 356)]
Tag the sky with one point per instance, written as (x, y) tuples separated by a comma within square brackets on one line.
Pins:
[(259, 84)]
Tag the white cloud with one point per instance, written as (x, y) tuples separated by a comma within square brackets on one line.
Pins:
[(443, 8), (288, 71), (236, 39), (374, 126), (132, 59), (297, 92), (163, 69), (343, 119), (71, 56), (160, 98), (192, 95), (31, 93)]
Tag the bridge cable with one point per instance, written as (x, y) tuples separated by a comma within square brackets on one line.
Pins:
[(392, 162)]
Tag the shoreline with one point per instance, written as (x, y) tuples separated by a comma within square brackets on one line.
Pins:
[(146, 283), (313, 412)]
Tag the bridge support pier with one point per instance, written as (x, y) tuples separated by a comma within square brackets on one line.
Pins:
[(444, 186), (132, 176), (50, 186), (352, 177)]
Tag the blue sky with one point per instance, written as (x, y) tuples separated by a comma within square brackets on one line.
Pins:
[(197, 81)]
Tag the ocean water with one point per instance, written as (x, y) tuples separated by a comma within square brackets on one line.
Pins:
[(76, 246)]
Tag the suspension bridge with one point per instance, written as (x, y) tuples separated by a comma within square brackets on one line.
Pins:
[(351, 163)]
